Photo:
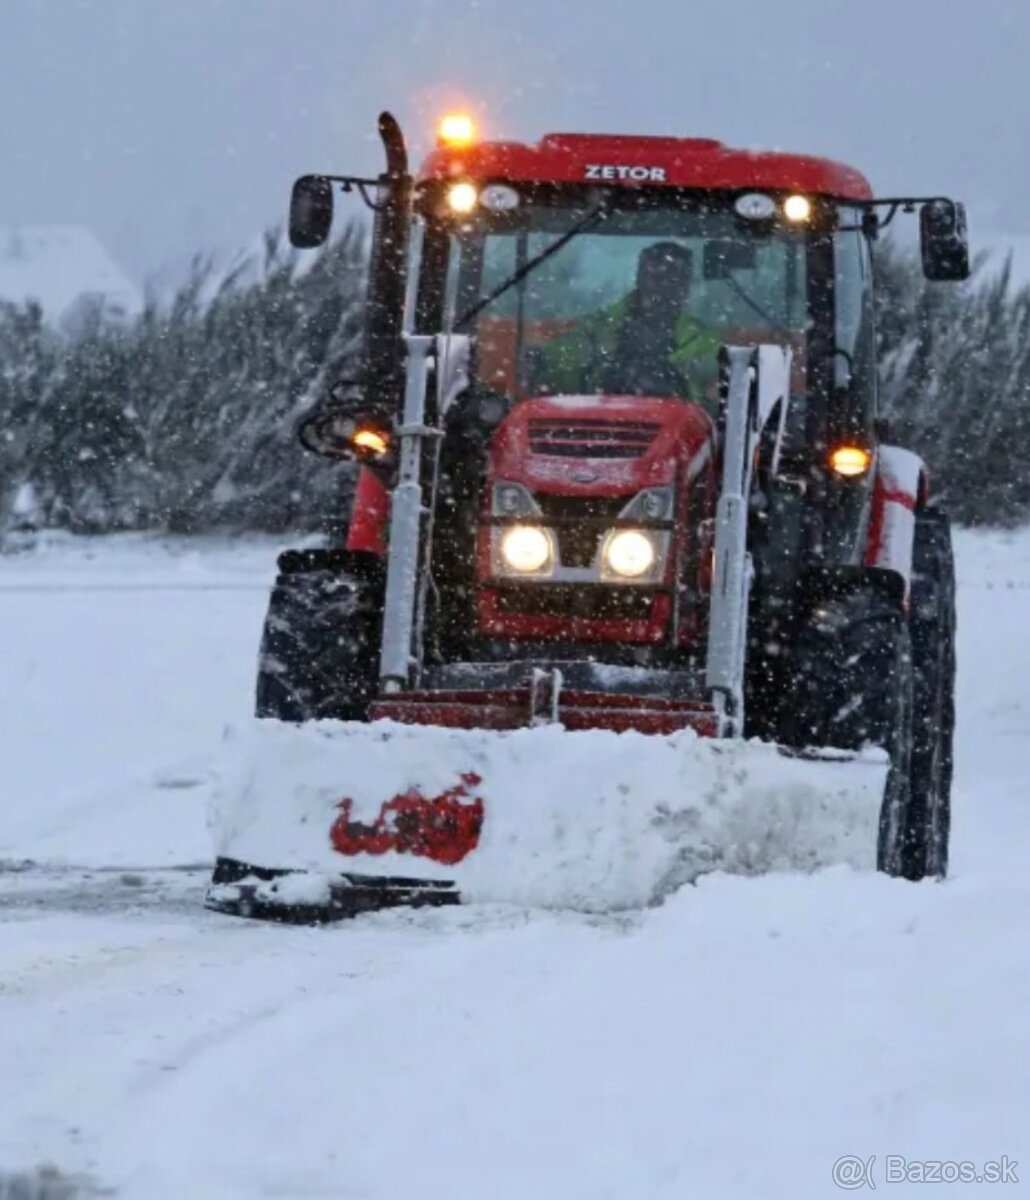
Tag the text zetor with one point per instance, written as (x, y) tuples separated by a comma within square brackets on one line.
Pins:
[(614, 171)]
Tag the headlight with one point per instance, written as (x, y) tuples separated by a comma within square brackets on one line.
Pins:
[(630, 553), (797, 209), (652, 504), (462, 198), (513, 500), (756, 206), (526, 549)]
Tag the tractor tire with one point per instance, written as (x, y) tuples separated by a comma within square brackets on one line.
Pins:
[(852, 686), (320, 646), (932, 624)]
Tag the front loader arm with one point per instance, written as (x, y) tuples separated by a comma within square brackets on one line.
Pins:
[(755, 390)]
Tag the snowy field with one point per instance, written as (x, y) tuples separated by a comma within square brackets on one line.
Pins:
[(734, 1043)]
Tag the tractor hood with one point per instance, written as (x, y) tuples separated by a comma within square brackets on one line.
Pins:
[(598, 445)]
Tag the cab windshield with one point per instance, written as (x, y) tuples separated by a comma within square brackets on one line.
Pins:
[(636, 303)]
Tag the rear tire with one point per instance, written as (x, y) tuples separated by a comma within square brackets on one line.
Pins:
[(853, 687), (320, 647), (932, 623)]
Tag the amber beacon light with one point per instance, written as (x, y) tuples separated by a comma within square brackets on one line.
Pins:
[(456, 129), (850, 461), (370, 442)]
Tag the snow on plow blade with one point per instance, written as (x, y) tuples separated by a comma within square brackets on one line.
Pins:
[(334, 818)]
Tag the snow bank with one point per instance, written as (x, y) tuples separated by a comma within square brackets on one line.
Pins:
[(592, 821)]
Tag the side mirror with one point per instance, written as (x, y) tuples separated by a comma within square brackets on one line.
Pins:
[(311, 211), (943, 240), (723, 256)]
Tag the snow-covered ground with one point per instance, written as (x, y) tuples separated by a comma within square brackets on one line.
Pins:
[(735, 1042)]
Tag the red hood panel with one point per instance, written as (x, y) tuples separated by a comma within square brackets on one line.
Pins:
[(597, 445), (670, 162)]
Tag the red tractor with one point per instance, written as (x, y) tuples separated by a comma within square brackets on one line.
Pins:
[(622, 467)]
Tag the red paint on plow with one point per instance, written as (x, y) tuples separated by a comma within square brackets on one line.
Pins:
[(443, 828)]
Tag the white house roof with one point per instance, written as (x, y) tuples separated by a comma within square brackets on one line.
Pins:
[(62, 267)]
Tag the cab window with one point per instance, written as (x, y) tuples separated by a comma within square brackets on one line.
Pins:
[(855, 349)]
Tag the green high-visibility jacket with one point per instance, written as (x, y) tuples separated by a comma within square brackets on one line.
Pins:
[(586, 359)]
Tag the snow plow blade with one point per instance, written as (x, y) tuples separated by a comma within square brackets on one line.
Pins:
[(299, 898), (330, 819)]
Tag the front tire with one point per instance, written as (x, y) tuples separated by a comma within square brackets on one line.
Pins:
[(320, 646), (853, 687), (932, 622)]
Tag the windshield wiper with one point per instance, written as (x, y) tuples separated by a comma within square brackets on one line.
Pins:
[(516, 277), (755, 307)]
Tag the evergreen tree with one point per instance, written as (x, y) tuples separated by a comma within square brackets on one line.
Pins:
[(184, 419)]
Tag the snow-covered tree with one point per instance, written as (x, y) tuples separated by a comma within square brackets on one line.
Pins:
[(185, 418)]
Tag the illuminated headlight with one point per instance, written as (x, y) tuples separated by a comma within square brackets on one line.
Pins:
[(630, 553), (525, 549), (797, 209), (462, 197)]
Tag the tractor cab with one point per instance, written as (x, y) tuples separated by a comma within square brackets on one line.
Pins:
[(575, 262), (596, 265), (601, 287)]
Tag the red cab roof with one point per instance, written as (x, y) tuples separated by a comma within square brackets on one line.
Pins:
[(620, 158)]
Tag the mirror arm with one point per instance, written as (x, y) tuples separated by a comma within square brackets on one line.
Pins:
[(396, 165), (356, 183), (894, 205)]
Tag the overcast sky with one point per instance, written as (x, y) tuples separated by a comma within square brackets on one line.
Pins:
[(171, 126)]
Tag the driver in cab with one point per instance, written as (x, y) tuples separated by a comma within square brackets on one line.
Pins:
[(646, 344)]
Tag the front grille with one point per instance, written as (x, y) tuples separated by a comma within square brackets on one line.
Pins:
[(572, 601), (591, 438), (579, 523)]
